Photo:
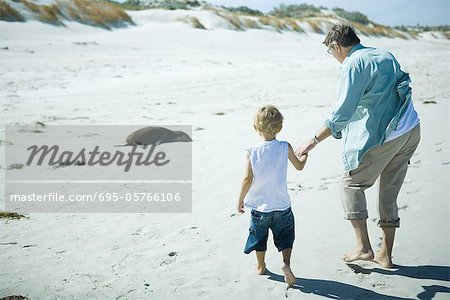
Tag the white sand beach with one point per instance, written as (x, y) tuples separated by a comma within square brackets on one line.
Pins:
[(167, 73)]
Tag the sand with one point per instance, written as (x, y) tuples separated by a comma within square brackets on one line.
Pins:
[(166, 73)]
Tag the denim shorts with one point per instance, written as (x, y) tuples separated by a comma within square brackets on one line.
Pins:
[(280, 222)]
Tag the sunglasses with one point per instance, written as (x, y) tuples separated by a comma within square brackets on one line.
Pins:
[(329, 49)]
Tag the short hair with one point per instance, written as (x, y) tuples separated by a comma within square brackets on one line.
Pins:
[(342, 34), (268, 120)]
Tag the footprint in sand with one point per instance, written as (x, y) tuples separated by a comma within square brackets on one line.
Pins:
[(15, 166), (326, 181), (415, 164), (138, 231), (329, 178), (379, 285), (172, 257), (292, 186), (404, 207), (3, 142), (190, 230), (412, 192), (323, 187)]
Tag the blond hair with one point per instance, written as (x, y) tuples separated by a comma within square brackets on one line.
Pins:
[(268, 120)]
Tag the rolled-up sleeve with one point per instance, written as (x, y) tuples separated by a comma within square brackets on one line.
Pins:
[(352, 87)]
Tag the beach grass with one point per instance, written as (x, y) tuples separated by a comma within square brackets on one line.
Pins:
[(234, 20), (95, 13), (8, 13), (11, 215), (193, 21), (98, 13), (250, 23)]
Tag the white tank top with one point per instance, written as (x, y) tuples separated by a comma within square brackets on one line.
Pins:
[(268, 191)]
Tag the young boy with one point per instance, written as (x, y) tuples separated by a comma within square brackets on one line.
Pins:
[(264, 191)]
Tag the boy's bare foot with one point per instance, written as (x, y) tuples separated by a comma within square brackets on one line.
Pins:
[(358, 255), (383, 260), (261, 270), (289, 277)]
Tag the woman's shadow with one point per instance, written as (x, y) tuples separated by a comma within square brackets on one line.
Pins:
[(332, 289), (339, 290), (418, 272), (441, 273)]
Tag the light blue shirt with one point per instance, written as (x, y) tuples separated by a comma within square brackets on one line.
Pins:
[(373, 95)]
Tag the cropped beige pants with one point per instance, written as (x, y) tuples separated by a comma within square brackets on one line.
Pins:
[(389, 163)]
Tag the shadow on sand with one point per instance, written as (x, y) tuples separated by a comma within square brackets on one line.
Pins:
[(339, 290), (441, 273), (332, 289), (418, 272), (431, 290)]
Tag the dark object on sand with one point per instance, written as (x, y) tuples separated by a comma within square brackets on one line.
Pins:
[(155, 136), (429, 102), (15, 297), (11, 215)]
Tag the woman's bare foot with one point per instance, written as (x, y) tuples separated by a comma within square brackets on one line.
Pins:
[(383, 260), (261, 270), (358, 254), (289, 277)]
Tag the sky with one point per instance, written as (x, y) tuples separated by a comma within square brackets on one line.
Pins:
[(386, 12)]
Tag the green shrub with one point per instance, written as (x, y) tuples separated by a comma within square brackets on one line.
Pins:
[(244, 10), (166, 4), (353, 16), (296, 11)]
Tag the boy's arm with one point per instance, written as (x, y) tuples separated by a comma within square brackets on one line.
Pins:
[(299, 163), (245, 186)]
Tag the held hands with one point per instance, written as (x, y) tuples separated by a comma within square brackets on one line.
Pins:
[(305, 148)]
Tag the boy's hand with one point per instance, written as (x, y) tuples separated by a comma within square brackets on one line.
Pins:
[(305, 148), (240, 207)]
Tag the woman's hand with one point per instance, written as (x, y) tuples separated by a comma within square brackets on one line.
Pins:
[(305, 148)]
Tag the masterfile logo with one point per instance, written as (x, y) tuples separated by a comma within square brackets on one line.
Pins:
[(98, 169)]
